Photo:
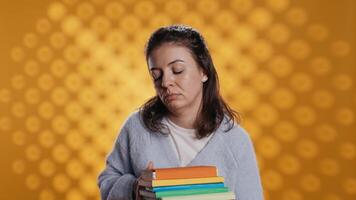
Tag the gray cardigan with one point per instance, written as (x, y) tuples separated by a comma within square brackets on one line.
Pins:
[(231, 152)]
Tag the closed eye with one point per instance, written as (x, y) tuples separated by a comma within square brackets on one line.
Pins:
[(178, 72)]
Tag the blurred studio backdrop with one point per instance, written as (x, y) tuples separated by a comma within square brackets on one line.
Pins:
[(72, 70)]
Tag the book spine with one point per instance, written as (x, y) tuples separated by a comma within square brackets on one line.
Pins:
[(190, 192), (156, 183), (185, 187)]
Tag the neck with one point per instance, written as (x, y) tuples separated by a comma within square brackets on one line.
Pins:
[(184, 121), (186, 118)]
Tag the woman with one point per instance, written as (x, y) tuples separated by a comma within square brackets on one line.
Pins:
[(187, 123)]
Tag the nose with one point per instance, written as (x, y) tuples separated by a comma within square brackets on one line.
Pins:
[(167, 81)]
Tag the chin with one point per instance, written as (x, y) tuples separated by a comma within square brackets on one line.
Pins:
[(173, 106)]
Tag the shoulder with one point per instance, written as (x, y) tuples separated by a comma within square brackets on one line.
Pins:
[(237, 139), (131, 126), (133, 120), (232, 130), (235, 134)]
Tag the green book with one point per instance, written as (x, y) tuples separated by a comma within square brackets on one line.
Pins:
[(213, 196), (160, 194)]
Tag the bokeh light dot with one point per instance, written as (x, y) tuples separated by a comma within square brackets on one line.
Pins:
[(347, 150), (283, 98), (56, 11), (178, 6), (30, 40), (304, 115), (114, 10), (310, 183), (289, 164), (323, 98), (345, 116), (340, 48), (44, 54), (85, 10), (58, 40), (18, 81), (342, 82), (263, 82), (46, 194), (17, 54), (33, 181), (243, 36), (101, 25), (260, 18), (242, 6), (47, 167), (207, 7), (286, 131), (246, 99), (60, 124), (349, 186), (46, 138), (5, 124), (5, 95), (325, 132), (61, 153), (71, 25), (31, 68), (19, 138), (144, 9), (266, 114), (292, 194), (307, 149), (18, 166), (329, 167), (278, 33), (299, 49), (46, 110), (45, 82), (60, 96), (72, 54), (33, 124), (43, 26), (59, 68), (261, 50), (278, 5), (33, 152), (74, 194), (130, 23), (317, 32), (272, 180), (75, 169), (296, 16), (281, 66), (88, 185), (32, 96), (269, 147), (61, 182)]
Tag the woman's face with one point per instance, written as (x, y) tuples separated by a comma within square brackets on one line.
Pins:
[(178, 79)]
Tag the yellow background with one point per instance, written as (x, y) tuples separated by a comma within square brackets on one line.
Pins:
[(72, 70)]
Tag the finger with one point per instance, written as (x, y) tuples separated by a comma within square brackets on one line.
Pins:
[(150, 165)]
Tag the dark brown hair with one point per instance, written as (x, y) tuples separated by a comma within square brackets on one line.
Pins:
[(214, 109)]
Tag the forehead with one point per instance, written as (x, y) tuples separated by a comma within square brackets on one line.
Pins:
[(169, 52)]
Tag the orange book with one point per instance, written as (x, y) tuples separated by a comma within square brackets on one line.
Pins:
[(180, 173)]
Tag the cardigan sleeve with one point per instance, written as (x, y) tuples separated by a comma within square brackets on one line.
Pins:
[(249, 186), (117, 179)]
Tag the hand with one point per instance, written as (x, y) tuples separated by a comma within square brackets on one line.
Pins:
[(137, 186)]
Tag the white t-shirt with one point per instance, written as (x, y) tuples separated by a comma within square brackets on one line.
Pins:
[(184, 142)]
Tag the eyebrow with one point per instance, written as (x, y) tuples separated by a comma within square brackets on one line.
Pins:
[(172, 62)]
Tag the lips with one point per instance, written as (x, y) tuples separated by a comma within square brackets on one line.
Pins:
[(170, 97)]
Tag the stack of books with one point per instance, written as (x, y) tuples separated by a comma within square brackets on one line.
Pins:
[(184, 183)]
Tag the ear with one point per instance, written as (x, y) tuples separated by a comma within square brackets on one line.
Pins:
[(205, 78)]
